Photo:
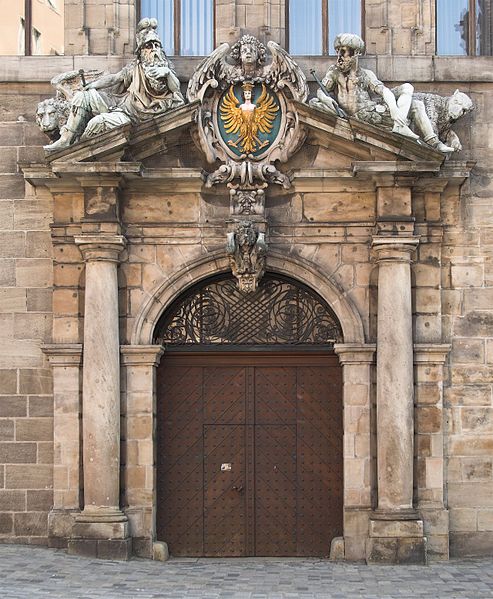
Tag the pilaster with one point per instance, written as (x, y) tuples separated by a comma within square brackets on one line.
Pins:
[(357, 364), (138, 424), (65, 360), (429, 360)]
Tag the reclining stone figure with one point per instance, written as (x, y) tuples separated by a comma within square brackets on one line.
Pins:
[(363, 96), (144, 88)]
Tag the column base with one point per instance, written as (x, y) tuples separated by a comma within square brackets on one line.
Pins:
[(101, 533), (396, 538)]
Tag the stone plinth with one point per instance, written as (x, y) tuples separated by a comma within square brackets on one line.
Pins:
[(396, 539)]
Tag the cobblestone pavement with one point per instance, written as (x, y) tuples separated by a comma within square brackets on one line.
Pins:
[(40, 573)]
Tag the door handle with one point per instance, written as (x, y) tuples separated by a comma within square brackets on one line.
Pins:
[(238, 489)]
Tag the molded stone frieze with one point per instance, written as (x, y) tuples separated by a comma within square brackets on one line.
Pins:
[(349, 90), (247, 248)]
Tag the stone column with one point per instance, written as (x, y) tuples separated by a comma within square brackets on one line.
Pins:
[(101, 529), (396, 532), (139, 411), (357, 362), (65, 360)]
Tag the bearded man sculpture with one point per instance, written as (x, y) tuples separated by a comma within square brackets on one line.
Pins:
[(144, 88), (357, 90)]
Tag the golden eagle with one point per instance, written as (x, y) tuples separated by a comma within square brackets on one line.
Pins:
[(248, 119)]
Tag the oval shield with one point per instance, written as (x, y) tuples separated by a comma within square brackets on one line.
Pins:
[(249, 119)]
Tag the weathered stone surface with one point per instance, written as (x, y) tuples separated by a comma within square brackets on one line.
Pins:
[(13, 405), (396, 551), (29, 476), (471, 544), (6, 523), (12, 501), (31, 523), (18, 453), (35, 382), (34, 429), (6, 429)]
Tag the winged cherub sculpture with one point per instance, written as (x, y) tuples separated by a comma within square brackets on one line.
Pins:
[(247, 136), (247, 119), (246, 61)]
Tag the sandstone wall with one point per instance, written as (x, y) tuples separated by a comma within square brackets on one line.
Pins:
[(453, 280), (26, 279)]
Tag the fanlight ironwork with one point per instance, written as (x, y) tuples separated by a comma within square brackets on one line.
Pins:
[(281, 311)]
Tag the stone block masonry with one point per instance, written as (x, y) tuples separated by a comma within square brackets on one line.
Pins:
[(26, 400)]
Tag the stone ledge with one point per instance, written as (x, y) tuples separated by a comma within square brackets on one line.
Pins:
[(396, 528), (115, 549), (387, 67), (396, 551)]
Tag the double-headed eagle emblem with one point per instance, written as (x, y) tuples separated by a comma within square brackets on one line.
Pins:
[(249, 119)]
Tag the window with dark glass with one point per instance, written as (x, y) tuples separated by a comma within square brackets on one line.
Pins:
[(464, 27), (186, 27), (32, 27), (312, 25)]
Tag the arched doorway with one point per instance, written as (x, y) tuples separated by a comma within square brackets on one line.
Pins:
[(249, 422)]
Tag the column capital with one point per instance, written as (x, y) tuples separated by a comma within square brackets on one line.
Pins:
[(141, 355), (395, 249), (355, 353), (431, 353), (105, 248), (63, 354)]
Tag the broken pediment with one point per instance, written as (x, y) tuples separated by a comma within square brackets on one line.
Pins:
[(330, 144)]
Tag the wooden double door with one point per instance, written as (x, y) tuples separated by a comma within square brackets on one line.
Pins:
[(249, 454)]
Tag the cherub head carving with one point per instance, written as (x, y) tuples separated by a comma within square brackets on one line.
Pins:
[(249, 52)]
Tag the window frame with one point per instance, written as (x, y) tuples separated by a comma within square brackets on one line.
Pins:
[(471, 43), (177, 26), (28, 24), (325, 26)]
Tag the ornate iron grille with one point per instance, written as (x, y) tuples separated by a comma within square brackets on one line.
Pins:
[(279, 312)]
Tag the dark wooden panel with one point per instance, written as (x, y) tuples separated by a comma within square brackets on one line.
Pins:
[(275, 490), (320, 459), (275, 395), (224, 395), (278, 420), (225, 530), (179, 459)]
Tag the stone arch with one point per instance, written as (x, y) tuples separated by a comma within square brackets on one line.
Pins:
[(295, 267)]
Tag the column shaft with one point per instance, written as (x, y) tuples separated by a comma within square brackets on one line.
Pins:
[(101, 386), (395, 420)]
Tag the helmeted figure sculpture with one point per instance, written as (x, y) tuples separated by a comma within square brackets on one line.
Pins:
[(144, 88), (363, 96)]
